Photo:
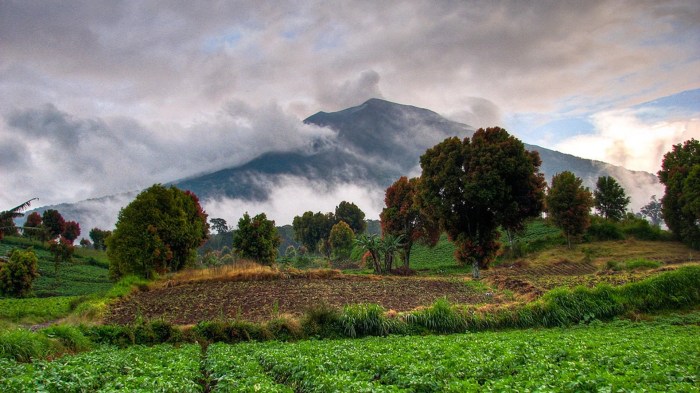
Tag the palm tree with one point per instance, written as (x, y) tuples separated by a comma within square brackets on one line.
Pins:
[(372, 244), (7, 216), (389, 245)]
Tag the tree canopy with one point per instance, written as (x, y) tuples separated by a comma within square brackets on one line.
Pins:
[(610, 198), (341, 240), (569, 204), (652, 211), (352, 215), (402, 216), (256, 238), (470, 187), (159, 231), (18, 274), (312, 228), (680, 173), (53, 222)]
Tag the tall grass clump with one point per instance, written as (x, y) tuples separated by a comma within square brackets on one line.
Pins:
[(24, 345), (676, 289), (441, 317), (359, 320), (70, 337), (321, 320)]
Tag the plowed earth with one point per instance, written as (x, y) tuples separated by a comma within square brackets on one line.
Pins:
[(260, 300)]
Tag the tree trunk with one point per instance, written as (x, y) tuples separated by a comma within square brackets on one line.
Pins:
[(476, 274), (406, 257)]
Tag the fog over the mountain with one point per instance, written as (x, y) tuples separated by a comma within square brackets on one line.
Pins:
[(102, 97)]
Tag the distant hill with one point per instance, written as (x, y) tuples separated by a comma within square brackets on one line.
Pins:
[(376, 143)]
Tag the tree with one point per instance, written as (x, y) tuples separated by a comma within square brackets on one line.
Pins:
[(389, 245), (256, 239), (71, 231), (158, 232), (7, 217), (471, 187), (610, 198), (53, 223), (680, 173), (18, 274), (569, 204), (85, 243), (352, 215), (402, 216), (341, 240), (219, 225), (652, 211), (62, 251), (32, 227), (311, 228), (99, 238), (372, 245)]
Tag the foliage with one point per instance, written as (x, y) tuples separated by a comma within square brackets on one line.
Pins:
[(652, 211), (219, 225), (256, 239), (341, 240), (62, 251), (601, 229), (18, 274), (610, 198), (35, 310), (32, 227), (352, 215), (161, 368), (159, 232), (372, 245), (632, 264), (7, 224), (311, 228), (472, 186), (402, 216), (99, 238), (680, 173), (569, 204), (53, 223), (71, 231)]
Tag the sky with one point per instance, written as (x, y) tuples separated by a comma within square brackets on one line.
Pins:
[(102, 97)]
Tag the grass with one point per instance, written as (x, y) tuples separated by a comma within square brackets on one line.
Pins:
[(36, 310), (87, 274)]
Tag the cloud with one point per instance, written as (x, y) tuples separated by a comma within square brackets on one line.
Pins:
[(292, 196), (68, 158), (627, 138)]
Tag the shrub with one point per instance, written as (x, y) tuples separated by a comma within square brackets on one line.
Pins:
[(641, 229), (70, 337), (633, 264), (322, 320), (18, 274), (602, 229), (118, 335)]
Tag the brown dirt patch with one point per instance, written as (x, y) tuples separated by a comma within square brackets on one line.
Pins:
[(260, 300)]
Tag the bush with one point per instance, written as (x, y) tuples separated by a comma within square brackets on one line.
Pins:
[(633, 264), (70, 337), (641, 229), (321, 320), (18, 274), (118, 335), (602, 229)]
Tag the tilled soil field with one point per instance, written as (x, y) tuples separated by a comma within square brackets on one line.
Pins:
[(261, 300)]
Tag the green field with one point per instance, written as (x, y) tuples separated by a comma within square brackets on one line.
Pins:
[(87, 274), (621, 356)]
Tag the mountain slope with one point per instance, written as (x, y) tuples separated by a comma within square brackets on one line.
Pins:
[(375, 144)]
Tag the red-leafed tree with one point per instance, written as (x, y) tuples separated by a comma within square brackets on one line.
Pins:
[(54, 223), (32, 226), (403, 217), (71, 231)]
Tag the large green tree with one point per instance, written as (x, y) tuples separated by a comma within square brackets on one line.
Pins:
[(312, 228), (341, 240), (403, 217), (471, 187), (352, 215), (256, 238), (158, 232), (680, 173), (569, 204), (610, 198), (99, 238)]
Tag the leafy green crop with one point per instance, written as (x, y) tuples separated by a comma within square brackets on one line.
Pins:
[(161, 368)]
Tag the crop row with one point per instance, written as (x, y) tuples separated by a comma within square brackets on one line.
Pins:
[(620, 356)]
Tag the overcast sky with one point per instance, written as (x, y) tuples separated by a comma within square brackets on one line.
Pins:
[(100, 97)]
